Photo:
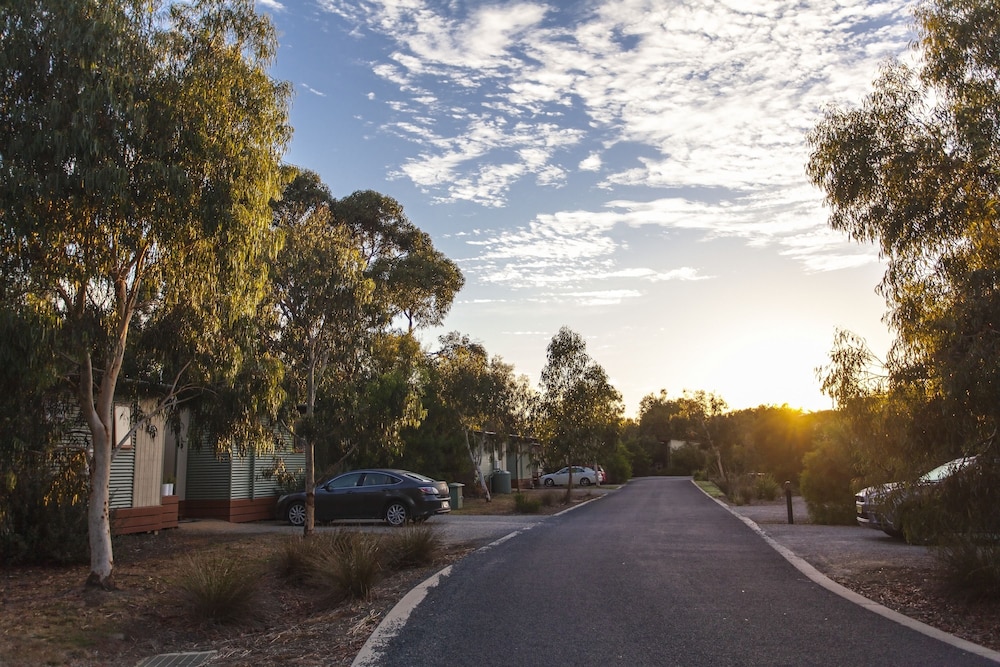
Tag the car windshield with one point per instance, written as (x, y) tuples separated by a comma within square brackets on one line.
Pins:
[(945, 469)]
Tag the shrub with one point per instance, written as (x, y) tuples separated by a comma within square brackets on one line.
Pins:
[(526, 505), (619, 466), (43, 506), (826, 485), (766, 487), (414, 546), (971, 566), (218, 588)]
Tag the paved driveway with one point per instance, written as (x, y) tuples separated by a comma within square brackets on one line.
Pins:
[(654, 574)]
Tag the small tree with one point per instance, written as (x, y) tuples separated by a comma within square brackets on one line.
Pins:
[(579, 413)]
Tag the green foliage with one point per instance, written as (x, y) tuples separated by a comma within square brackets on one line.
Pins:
[(218, 588), (145, 197), (285, 480), (766, 487), (526, 505), (43, 509), (580, 412), (687, 459), (913, 170), (826, 484), (617, 466), (971, 566)]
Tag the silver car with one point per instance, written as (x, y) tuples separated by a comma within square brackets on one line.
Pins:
[(878, 506)]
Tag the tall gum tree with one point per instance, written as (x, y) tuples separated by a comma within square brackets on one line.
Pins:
[(915, 169), (140, 151)]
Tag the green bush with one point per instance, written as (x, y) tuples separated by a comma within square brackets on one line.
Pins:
[(619, 466), (972, 566), (218, 588), (526, 505), (826, 485), (43, 506), (766, 487), (688, 459), (414, 546)]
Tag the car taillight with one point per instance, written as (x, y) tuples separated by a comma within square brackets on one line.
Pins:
[(428, 490)]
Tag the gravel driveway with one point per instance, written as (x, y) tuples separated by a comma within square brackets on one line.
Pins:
[(836, 551)]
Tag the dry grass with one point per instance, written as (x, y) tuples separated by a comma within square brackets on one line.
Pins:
[(49, 618)]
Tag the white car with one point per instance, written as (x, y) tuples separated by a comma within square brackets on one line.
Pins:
[(879, 506), (582, 476)]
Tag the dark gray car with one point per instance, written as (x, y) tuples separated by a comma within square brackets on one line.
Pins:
[(395, 496)]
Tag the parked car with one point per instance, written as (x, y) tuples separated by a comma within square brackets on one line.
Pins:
[(879, 506), (395, 496), (582, 476)]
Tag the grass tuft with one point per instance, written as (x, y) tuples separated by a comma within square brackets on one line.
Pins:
[(414, 546), (219, 589), (525, 505)]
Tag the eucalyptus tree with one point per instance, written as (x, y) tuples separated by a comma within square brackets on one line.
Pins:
[(414, 280), (579, 411), (320, 292), (915, 169), (140, 150)]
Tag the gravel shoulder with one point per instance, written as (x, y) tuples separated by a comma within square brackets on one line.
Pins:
[(904, 578)]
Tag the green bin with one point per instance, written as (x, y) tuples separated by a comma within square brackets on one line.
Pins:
[(501, 481), (456, 495)]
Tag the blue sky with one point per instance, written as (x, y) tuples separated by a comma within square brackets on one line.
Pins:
[(632, 169)]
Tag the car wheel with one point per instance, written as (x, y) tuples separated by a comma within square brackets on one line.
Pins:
[(550, 482), (395, 514), (296, 514), (585, 481)]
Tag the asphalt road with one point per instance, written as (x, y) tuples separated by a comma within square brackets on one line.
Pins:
[(653, 574)]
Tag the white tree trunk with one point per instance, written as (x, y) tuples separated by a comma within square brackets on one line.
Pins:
[(98, 512)]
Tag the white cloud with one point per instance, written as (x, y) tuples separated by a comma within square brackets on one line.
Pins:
[(312, 90), (712, 99)]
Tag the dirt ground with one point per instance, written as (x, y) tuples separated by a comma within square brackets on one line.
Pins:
[(47, 617)]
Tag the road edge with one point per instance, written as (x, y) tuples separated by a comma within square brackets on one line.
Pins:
[(803, 566)]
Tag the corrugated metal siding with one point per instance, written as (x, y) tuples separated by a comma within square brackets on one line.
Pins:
[(235, 477), (207, 475), (122, 471), (241, 477)]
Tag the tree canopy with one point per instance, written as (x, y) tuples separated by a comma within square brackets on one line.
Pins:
[(915, 169), (140, 152), (579, 412)]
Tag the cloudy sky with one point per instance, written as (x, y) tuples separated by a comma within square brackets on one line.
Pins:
[(631, 169)]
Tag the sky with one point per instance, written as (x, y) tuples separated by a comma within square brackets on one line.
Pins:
[(634, 170)]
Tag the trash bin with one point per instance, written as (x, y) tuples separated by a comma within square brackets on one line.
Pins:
[(501, 481), (456, 495)]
